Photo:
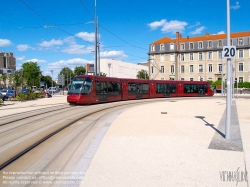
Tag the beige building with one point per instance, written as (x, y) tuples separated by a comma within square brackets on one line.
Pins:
[(7, 63), (119, 69), (199, 58)]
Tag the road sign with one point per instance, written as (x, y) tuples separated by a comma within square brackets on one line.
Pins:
[(61, 80), (229, 51)]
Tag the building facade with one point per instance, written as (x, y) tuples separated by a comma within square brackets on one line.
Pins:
[(7, 63), (198, 58), (7, 68), (119, 69)]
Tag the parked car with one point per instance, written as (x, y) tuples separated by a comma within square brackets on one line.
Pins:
[(54, 89), (4, 91), (10, 93), (2, 96), (25, 91)]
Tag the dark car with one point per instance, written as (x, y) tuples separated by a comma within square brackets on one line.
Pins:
[(2, 96), (25, 91), (10, 93)]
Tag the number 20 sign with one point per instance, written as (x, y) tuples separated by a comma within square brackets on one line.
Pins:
[(229, 51)]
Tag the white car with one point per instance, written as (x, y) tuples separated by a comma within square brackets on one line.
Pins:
[(50, 89)]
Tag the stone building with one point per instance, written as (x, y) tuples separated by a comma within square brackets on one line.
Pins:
[(198, 58)]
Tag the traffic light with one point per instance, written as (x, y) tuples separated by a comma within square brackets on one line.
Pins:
[(235, 82)]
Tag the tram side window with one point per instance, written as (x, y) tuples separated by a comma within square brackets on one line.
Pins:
[(145, 88), (172, 88), (203, 87), (101, 87), (190, 88), (160, 88), (131, 88), (116, 88), (110, 87)]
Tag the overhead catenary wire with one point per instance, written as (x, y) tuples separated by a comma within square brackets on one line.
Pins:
[(51, 25)]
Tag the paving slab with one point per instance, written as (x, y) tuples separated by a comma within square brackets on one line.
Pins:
[(167, 144)]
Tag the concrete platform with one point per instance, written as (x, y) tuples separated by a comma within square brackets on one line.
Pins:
[(173, 143), (169, 144)]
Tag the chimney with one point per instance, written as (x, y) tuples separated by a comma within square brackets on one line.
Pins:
[(177, 40), (207, 34)]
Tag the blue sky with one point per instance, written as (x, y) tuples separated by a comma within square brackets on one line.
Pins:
[(58, 34)]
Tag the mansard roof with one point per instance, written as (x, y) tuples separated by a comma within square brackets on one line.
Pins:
[(202, 38)]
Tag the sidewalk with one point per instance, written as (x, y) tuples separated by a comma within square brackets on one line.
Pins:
[(181, 147), (12, 107)]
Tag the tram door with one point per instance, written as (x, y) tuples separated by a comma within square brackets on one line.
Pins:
[(101, 91), (166, 90), (202, 89), (139, 91)]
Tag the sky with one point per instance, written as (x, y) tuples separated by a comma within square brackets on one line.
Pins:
[(58, 34)]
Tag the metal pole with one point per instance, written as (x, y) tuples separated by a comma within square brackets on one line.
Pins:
[(228, 109), (98, 47), (95, 42), (52, 81), (222, 76)]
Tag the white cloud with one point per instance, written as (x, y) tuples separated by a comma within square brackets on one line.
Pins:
[(221, 32), (78, 49), (36, 60), (196, 25), (20, 58), (51, 43), (90, 37), (174, 26), (198, 30), (22, 47), (237, 6), (4, 42), (154, 25), (113, 54), (59, 65)]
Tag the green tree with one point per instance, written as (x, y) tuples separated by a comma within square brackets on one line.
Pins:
[(79, 70), (47, 81), (31, 72), (17, 79), (68, 75), (103, 74), (3, 78), (142, 74)]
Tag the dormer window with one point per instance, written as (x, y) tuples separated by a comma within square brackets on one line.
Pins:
[(182, 46), (210, 44), (162, 47), (191, 45), (220, 43), (240, 41), (171, 46), (200, 45), (152, 47)]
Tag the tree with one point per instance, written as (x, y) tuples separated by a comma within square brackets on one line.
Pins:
[(142, 74), (31, 72), (3, 78), (17, 80), (79, 70), (47, 81), (68, 75), (103, 74)]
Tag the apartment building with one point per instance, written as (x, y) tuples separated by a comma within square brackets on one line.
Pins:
[(198, 58), (7, 63)]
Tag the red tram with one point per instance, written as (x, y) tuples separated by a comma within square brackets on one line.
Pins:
[(88, 89)]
